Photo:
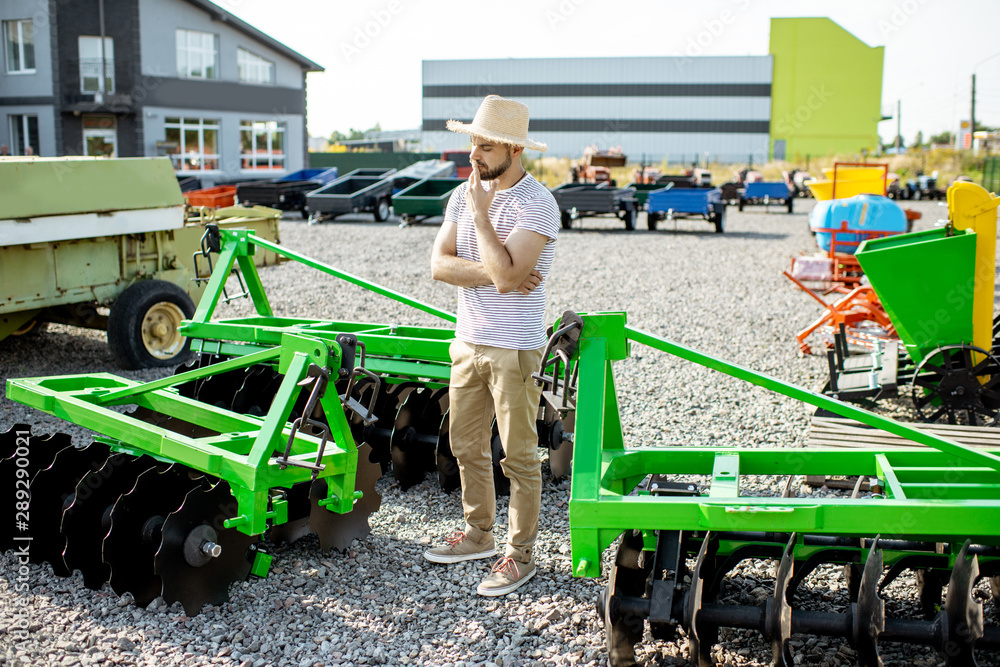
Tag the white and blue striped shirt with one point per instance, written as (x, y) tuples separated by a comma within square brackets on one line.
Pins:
[(485, 317)]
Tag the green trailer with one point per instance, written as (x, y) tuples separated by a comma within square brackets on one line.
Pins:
[(642, 191), (424, 199), (84, 234)]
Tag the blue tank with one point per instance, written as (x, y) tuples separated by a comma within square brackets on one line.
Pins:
[(868, 213)]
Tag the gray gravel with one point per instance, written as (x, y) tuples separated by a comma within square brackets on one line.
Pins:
[(380, 603)]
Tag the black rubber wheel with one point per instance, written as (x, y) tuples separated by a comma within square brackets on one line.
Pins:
[(142, 327), (791, 204), (381, 211), (741, 204), (629, 219), (719, 219), (651, 220), (567, 220)]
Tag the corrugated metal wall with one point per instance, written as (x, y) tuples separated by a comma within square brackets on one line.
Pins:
[(680, 109)]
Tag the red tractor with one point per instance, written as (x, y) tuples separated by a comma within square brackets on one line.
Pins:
[(595, 167)]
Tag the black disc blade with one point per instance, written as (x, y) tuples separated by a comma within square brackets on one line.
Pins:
[(260, 384), (87, 516), (31, 453), (191, 576), (299, 509), (449, 476), (337, 531), (134, 536), (412, 456), (51, 490)]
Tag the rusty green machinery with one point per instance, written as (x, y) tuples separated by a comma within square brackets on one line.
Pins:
[(82, 234)]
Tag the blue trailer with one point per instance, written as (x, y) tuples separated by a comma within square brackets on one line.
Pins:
[(766, 193), (672, 203)]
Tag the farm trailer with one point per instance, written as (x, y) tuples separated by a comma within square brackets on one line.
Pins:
[(80, 234), (360, 191), (581, 200), (287, 193)]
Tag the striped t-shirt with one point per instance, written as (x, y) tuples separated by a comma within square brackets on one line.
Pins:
[(485, 316)]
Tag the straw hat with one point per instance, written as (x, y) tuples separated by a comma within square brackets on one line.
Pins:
[(501, 120)]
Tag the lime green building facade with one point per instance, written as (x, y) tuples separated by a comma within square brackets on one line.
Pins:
[(826, 90)]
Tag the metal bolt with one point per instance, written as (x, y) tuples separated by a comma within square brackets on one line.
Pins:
[(211, 549)]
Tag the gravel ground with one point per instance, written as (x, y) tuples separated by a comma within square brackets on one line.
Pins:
[(380, 603)]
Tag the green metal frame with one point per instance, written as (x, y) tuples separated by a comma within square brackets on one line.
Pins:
[(947, 493), (241, 450), (935, 494)]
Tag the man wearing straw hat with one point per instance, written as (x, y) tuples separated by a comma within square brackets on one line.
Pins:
[(496, 245)]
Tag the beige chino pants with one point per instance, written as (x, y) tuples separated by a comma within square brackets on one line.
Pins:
[(486, 381)]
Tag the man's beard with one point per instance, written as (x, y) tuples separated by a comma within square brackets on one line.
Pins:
[(497, 172)]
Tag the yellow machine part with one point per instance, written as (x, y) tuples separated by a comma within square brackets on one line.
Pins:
[(970, 206)]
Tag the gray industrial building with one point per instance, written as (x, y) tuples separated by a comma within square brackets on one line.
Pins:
[(183, 78), (675, 108)]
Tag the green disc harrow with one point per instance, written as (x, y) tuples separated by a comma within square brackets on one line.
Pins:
[(281, 426), (685, 522)]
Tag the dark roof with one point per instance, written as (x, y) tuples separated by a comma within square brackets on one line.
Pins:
[(220, 14)]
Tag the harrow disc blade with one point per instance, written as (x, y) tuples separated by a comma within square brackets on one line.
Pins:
[(501, 485), (622, 630), (963, 612), (134, 537), (414, 437), (260, 384), (51, 490), (87, 517), (31, 453), (337, 531), (299, 508), (8, 439), (449, 476), (190, 573), (218, 390)]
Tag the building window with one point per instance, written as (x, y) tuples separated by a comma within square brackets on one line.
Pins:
[(193, 143), (262, 144), (24, 134), (197, 55), (93, 62), (100, 138), (253, 68), (19, 43)]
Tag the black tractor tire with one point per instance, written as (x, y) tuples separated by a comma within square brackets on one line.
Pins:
[(381, 211), (651, 220), (719, 218), (629, 218), (567, 220), (741, 204), (142, 327), (791, 204)]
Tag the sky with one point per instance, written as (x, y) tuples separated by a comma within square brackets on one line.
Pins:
[(372, 49)]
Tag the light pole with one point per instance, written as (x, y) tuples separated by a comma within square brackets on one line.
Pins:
[(972, 109)]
